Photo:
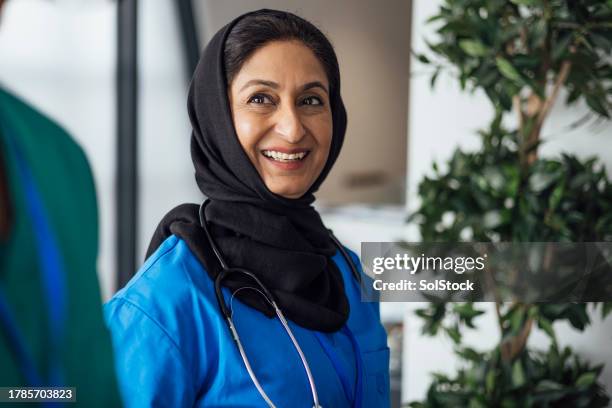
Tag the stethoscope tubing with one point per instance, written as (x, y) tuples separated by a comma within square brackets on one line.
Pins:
[(227, 313), (227, 271)]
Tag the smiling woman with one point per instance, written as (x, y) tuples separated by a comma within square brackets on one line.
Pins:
[(280, 108), (268, 124)]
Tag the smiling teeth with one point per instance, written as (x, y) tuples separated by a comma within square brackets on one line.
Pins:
[(283, 156)]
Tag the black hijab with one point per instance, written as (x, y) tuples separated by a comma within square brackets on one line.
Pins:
[(282, 241)]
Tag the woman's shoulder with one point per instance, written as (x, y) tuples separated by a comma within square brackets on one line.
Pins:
[(168, 274), (160, 322), (171, 291)]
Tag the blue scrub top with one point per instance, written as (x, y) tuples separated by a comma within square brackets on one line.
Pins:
[(174, 349)]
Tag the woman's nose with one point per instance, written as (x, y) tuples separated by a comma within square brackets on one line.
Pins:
[(289, 125)]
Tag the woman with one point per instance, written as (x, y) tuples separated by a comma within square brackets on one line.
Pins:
[(268, 124)]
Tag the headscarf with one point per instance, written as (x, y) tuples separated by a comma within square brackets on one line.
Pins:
[(282, 241)]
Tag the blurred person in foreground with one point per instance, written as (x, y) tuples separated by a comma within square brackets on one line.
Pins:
[(51, 329)]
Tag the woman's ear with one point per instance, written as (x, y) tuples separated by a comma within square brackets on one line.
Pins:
[(5, 204)]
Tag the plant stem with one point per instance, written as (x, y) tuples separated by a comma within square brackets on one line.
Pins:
[(518, 343), (513, 346), (545, 110), (493, 288), (516, 102)]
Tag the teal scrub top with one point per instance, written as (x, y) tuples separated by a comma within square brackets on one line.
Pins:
[(173, 348), (48, 277)]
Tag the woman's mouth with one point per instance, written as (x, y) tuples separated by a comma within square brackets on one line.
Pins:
[(286, 160), (284, 157)]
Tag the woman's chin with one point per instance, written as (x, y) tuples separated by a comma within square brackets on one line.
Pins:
[(287, 190), (291, 195)]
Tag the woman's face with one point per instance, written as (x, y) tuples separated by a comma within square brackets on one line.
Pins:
[(280, 108)]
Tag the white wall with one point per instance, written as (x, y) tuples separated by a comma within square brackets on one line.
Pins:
[(441, 120)]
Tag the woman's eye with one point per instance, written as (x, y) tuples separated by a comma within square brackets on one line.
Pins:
[(312, 100), (260, 99)]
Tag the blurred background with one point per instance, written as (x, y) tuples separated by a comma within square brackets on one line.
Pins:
[(65, 57)]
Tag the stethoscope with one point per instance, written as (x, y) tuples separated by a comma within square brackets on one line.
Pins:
[(261, 289)]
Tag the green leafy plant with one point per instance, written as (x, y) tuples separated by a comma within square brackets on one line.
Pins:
[(521, 53)]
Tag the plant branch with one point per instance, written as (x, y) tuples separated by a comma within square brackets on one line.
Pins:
[(561, 78), (566, 66), (518, 343), (493, 288), (514, 345), (516, 102)]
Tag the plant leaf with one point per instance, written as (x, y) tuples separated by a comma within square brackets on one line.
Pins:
[(434, 77), (548, 385), (601, 42), (546, 326), (525, 2), (423, 59), (596, 104), (490, 381), (561, 46), (473, 48), (508, 70), (586, 379), (606, 307), (518, 375), (555, 197), (469, 354), (454, 334)]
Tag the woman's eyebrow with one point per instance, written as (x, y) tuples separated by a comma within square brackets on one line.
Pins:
[(314, 84), (274, 85), (252, 82)]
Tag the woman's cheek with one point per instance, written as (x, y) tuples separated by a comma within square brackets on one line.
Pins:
[(247, 133), (322, 128)]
